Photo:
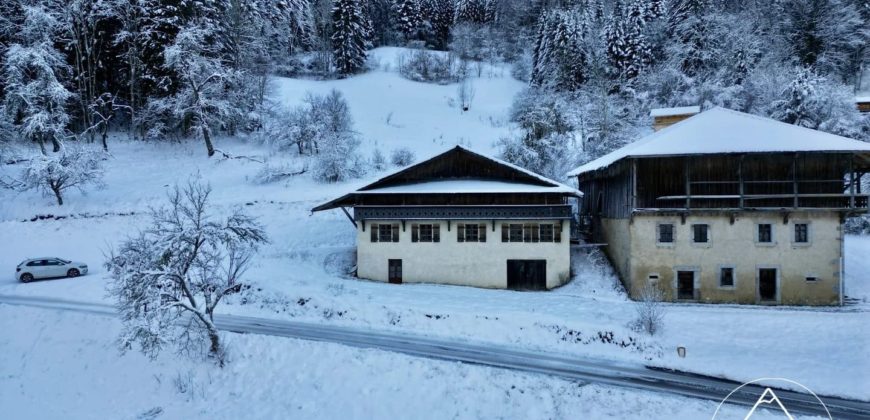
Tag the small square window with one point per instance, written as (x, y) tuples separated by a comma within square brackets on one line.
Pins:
[(700, 234), (801, 233), (726, 277), (765, 233), (812, 279), (666, 233)]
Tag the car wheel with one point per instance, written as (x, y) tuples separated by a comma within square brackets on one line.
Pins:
[(26, 278), (72, 273)]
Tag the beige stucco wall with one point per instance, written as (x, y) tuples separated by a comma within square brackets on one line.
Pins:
[(735, 246), (481, 264), (617, 236)]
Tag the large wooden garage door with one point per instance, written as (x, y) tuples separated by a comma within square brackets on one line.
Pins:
[(527, 274)]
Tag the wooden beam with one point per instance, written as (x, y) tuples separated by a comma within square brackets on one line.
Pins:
[(794, 179), (633, 184), (851, 184), (688, 185), (740, 179), (349, 217)]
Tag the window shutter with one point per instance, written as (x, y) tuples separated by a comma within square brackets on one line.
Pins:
[(436, 232), (557, 232), (460, 232), (504, 232), (374, 229), (536, 230), (481, 232), (395, 232), (415, 232)]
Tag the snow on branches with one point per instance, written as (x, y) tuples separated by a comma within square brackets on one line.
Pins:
[(170, 278), (72, 167)]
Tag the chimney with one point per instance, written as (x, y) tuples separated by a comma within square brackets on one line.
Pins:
[(663, 117)]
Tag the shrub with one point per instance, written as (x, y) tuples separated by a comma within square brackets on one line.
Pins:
[(428, 66), (650, 310), (402, 157)]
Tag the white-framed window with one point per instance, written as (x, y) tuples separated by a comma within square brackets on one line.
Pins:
[(471, 232), (764, 234), (727, 277), (385, 232), (666, 233), (801, 233), (425, 232), (531, 232)]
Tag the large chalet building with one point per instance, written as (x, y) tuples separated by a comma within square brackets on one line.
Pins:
[(462, 218), (727, 207)]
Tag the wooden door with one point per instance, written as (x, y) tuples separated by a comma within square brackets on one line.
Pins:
[(527, 274), (767, 284), (686, 285), (395, 271)]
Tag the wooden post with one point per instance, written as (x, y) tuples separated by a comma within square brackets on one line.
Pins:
[(740, 179), (795, 180), (688, 186), (633, 184), (851, 184)]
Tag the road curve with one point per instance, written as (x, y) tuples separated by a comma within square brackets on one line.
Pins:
[(586, 369)]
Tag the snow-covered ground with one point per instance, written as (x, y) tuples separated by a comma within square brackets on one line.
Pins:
[(65, 365), (301, 274)]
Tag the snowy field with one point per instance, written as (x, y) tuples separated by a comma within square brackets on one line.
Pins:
[(302, 274), (62, 369)]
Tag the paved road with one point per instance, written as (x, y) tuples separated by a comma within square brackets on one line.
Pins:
[(586, 370)]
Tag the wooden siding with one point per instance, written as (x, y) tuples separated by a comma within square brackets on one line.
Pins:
[(769, 181)]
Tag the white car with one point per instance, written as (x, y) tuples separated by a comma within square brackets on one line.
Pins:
[(49, 267)]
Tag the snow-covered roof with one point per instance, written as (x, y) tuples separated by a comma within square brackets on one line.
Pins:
[(721, 130), (667, 112), (862, 99), (436, 175), (465, 186)]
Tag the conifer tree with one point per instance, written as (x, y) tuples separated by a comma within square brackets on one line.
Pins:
[(350, 37), (406, 14)]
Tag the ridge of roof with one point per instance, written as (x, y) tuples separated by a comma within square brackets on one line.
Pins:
[(728, 142)]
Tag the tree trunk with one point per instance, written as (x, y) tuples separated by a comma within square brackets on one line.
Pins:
[(215, 349), (207, 137), (105, 135), (57, 195), (55, 145)]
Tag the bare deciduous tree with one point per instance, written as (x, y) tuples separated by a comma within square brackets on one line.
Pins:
[(169, 279)]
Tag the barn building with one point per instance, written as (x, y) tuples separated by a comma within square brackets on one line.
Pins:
[(462, 218), (727, 207)]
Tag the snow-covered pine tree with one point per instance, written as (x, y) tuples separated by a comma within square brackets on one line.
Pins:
[(36, 99), (827, 34), (619, 48), (350, 36), (439, 18), (689, 26), (542, 51), (570, 54), (471, 11), (407, 18)]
